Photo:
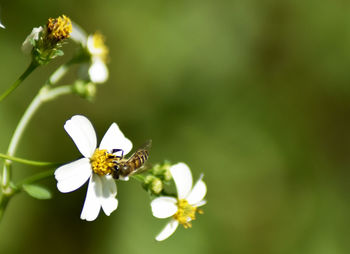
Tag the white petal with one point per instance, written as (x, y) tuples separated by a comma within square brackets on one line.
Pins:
[(34, 35), (201, 203), (92, 203), (164, 207), (168, 230), (98, 71), (109, 191), (183, 179), (73, 175), (83, 134), (115, 139), (2, 26), (78, 34), (198, 192)]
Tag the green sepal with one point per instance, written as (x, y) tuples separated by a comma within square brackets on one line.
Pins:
[(37, 191), (58, 52)]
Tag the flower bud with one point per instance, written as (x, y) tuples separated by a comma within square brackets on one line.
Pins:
[(45, 42), (167, 175), (148, 179), (162, 171), (156, 186), (85, 89), (153, 184)]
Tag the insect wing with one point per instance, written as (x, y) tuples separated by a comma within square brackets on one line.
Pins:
[(146, 146)]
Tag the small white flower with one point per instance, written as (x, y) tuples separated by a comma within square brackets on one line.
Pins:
[(96, 166), (98, 71), (33, 36), (98, 51), (183, 208)]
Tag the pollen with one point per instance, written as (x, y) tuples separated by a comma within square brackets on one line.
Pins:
[(59, 28), (186, 213), (102, 162)]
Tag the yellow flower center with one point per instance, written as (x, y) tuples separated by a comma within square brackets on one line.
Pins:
[(102, 162), (186, 213), (100, 48), (59, 28)]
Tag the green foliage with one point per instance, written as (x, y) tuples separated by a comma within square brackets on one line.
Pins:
[(37, 191)]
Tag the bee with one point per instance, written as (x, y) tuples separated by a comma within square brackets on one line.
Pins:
[(134, 164)]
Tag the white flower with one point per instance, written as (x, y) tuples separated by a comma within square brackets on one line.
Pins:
[(98, 71), (183, 209), (98, 51), (96, 166), (33, 36)]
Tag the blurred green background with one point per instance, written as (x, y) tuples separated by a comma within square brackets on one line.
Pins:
[(254, 94)]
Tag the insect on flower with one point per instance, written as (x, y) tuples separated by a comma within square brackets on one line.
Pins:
[(135, 164), (96, 166)]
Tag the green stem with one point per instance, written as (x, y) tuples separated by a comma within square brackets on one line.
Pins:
[(62, 70), (33, 65), (139, 178), (45, 94), (29, 162), (58, 74), (4, 199)]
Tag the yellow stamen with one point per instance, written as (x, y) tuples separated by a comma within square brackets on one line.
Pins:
[(100, 48), (59, 28), (186, 213), (102, 162)]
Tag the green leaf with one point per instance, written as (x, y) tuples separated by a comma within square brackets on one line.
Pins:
[(37, 191), (58, 52)]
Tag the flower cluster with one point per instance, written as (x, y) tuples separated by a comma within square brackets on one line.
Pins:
[(97, 167), (101, 166), (159, 176), (44, 42)]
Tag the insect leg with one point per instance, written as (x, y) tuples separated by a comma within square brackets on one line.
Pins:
[(118, 150)]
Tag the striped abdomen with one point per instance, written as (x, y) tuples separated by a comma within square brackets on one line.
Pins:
[(138, 159)]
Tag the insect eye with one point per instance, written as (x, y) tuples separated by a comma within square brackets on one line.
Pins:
[(116, 167)]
